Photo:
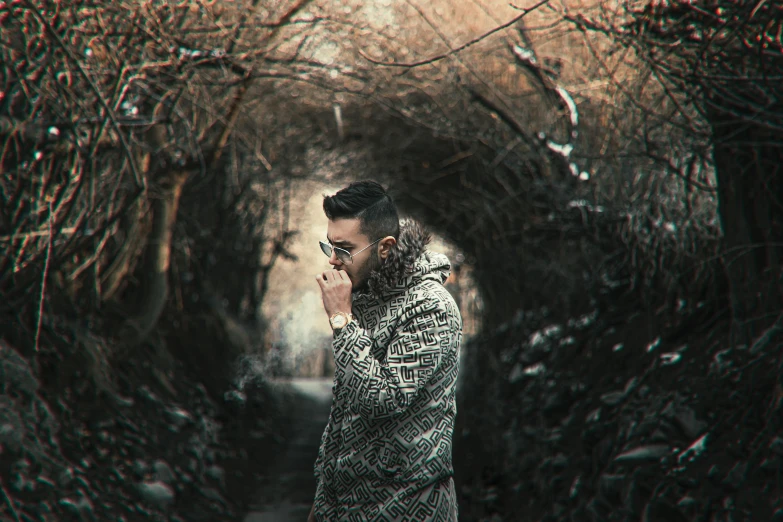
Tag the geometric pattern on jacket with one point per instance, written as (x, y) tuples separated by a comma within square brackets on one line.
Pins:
[(386, 452)]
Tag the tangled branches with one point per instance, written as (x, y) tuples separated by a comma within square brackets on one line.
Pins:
[(723, 56), (719, 64), (109, 113), (727, 54)]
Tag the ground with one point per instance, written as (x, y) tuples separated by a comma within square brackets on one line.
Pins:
[(288, 486)]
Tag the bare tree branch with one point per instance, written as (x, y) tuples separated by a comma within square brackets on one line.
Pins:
[(474, 41)]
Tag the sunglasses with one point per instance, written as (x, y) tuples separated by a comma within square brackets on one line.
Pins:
[(343, 255)]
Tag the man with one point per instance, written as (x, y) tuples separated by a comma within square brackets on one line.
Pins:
[(385, 454)]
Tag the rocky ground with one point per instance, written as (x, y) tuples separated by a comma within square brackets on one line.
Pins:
[(150, 453), (622, 415), (288, 486)]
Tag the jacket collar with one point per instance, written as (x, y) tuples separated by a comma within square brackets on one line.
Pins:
[(402, 265)]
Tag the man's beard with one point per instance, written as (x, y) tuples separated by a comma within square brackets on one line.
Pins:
[(372, 264)]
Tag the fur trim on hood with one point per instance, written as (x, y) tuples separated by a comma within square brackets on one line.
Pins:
[(408, 261)]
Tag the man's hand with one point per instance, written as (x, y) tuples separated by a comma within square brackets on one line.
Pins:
[(311, 516), (335, 291)]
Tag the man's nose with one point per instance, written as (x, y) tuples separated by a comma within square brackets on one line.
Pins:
[(333, 259)]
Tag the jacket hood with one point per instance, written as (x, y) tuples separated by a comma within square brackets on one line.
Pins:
[(407, 264)]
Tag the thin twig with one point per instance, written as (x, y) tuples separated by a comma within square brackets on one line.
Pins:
[(462, 47), (43, 280), (37, 233), (9, 503), (765, 338), (141, 181)]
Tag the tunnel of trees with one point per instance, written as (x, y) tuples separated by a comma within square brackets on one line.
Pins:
[(149, 153)]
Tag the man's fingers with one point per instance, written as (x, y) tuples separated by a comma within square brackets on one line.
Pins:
[(341, 275), (332, 276)]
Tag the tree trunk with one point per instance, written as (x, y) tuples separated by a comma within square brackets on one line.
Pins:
[(122, 263), (748, 161), (155, 284)]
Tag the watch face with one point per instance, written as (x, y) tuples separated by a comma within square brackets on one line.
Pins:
[(339, 321)]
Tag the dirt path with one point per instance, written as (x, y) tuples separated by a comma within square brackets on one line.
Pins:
[(287, 490)]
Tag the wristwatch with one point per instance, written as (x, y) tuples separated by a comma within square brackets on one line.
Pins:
[(339, 320)]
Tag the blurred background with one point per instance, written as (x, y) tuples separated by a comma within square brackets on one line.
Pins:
[(604, 175), (298, 336)]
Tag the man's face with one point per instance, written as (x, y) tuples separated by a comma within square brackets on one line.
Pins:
[(344, 233)]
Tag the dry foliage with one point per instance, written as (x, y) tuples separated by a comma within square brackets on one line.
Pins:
[(149, 150), (126, 150), (718, 65)]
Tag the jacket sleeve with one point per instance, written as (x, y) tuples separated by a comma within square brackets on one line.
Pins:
[(419, 344)]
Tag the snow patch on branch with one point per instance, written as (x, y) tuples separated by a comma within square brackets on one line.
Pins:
[(569, 101), (564, 150), (526, 55)]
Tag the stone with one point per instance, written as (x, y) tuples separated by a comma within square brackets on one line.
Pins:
[(125, 402), (163, 472), (16, 371), (613, 398), (178, 418), (69, 505), (662, 510), (687, 503), (560, 461), (611, 487), (209, 455), (688, 482), (140, 467), (658, 436), (82, 508), (736, 477), (106, 423), (686, 419), (12, 430), (66, 477), (635, 495), (694, 450), (576, 487), (216, 473), (596, 510), (553, 402), (145, 393), (213, 494), (652, 452), (770, 465), (20, 483), (45, 481), (156, 492)]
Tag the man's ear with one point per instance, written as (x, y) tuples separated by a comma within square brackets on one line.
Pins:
[(385, 245)]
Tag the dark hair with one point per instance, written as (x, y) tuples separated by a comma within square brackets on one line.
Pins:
[(369, 202)]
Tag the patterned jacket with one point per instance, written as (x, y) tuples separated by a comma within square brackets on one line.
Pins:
[(385, 454)]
